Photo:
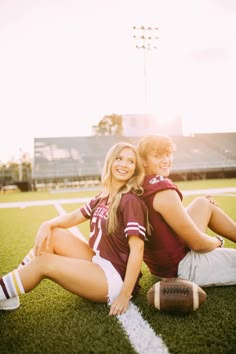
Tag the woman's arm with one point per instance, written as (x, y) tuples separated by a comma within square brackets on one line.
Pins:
[(169, 205), (121, 303), (64, 221), (67, 220)]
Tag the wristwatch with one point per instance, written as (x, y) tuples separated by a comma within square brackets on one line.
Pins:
[(221, 240)]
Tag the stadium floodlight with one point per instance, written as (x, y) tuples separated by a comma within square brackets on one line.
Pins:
[(146, 40)]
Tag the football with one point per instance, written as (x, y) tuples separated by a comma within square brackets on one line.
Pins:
[(176, 295)]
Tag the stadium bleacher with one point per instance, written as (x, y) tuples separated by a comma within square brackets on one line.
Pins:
[(81, 158), (205, 151)]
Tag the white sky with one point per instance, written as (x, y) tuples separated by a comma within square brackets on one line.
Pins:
[(64, 64)]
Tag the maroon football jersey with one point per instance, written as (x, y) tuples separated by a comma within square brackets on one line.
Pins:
[(131, 221), (164, 250)]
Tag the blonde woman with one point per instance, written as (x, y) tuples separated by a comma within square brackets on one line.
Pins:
[(108, 268)]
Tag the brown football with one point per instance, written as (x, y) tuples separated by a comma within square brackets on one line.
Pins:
[(176, 295)]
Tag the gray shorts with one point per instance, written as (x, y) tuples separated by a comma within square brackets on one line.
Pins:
[(215, 268), (114, 280)]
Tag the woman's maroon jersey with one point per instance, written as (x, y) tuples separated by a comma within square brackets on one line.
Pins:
[(164, 250), (131, 221)]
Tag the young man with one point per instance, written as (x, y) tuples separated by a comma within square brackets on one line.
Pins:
[(179, 245)]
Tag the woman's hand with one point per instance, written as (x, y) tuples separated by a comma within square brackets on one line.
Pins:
[(119, 305), (42, 239)]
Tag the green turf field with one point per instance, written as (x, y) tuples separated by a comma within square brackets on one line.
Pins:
[(52, 320)]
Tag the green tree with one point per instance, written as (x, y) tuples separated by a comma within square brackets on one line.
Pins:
[(110, 125)]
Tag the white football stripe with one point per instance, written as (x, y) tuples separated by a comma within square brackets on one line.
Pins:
[(142, 337), (157, 295), (195, 297)]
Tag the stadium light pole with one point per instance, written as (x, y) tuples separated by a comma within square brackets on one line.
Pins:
[(146, 40)]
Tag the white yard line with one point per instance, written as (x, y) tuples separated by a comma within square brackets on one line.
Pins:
[(74, 229), (212, 191), (142, 337), (25, 204), (230, 191)]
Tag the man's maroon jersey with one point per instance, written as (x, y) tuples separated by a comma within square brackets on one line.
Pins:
[(131, 221), (164, 250)]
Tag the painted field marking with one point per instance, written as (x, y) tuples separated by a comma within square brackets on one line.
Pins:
[(229, 191), (73, 229), (142, 337)]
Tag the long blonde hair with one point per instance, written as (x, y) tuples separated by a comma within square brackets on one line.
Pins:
[(134, 184)]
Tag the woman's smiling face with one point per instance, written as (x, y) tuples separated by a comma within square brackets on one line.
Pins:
[(124, 166)]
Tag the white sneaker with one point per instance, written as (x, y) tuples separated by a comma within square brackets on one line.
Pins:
[(10, 304)]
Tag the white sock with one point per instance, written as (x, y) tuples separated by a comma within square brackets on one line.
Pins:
[(28, 258), (11, 285), (2, 295)]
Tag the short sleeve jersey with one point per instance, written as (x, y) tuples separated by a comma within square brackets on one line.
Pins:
[(164, 250), (131, 221)]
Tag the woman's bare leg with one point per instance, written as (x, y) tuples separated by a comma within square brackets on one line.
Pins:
[(80, 277), (206, 214), (64, 243)]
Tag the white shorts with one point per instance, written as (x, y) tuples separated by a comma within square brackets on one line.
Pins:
[(215, 268), (114, 280)]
